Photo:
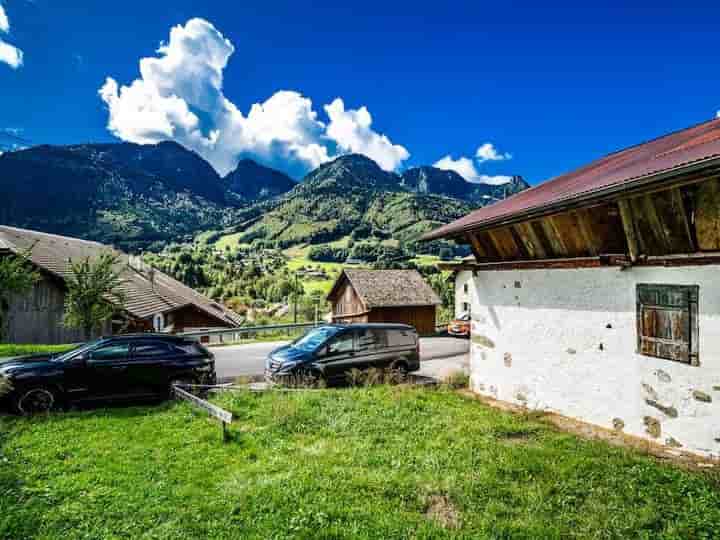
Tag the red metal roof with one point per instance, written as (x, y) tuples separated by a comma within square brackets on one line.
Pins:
[(666, 153)]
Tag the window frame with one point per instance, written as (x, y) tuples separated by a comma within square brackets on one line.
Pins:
[(692, 296), (381, 341), (348, 333), (169, 349), (95, 361)]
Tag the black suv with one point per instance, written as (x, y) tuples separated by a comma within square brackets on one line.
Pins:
[(128, 367), (329, 352)]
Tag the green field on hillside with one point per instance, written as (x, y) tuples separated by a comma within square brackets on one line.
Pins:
[(383, 462)]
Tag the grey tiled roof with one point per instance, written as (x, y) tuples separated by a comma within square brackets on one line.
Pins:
[(144, 298), (390, 288)]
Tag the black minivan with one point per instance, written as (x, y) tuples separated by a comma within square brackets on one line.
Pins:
[(126, 367), (329, 352)]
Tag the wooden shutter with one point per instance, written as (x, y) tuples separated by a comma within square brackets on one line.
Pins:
[(667, 324)]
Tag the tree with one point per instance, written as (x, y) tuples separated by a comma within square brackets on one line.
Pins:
[(17, 276), (94, 293)]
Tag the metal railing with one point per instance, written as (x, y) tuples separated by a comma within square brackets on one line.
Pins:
[(226, 336), (221, 336)]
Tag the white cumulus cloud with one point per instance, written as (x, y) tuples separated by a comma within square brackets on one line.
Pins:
[(9, 54), (4, 22), (179, 96), (467, 168), (351, 130), (488, 152)]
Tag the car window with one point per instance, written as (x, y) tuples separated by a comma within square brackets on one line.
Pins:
[(370, 339), (148, 349), (341, 344), (401, 338), (111, 351)]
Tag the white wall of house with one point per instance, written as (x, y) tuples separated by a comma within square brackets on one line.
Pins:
[(564, 340)]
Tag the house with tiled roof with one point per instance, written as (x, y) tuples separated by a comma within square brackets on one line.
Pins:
[(392, 296), (595, 294), (153, 300)]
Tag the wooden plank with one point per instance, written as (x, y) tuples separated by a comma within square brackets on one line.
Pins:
[(476, 248), (487, 244), (707, 215), (530, 239), (554, 238), (629, 228), (678, 205), (586, 231), (224, 416), (660, 230), (670, 210), (520, 245), (504, 243)]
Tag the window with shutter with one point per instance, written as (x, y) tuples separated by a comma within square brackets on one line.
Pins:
[(667, 322)]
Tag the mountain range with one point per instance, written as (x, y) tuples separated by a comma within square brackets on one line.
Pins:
[(142, 196)]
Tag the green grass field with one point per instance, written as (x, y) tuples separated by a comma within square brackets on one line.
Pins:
[(385, 462)]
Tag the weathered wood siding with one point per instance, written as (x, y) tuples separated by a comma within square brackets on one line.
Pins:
[(348, 308), (189, 317), (347, 304), (421, 317), (37, 316)]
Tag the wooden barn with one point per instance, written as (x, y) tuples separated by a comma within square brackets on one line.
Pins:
[(153, 300), (394, 296)]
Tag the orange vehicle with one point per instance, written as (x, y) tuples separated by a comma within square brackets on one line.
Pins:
[(460, 327)]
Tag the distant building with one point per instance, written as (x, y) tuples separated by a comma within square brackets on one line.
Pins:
[(396, 296), (154, 301), (596, 294)]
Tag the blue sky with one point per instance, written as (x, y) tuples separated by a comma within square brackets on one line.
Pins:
[(553, 86)]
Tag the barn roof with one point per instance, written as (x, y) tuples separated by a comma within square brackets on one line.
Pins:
[(623, 169), (147, 291), (388, 288)]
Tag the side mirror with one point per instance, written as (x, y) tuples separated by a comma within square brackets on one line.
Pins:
[(322, 351)]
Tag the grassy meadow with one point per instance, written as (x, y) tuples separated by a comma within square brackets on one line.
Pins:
[(382, 462)]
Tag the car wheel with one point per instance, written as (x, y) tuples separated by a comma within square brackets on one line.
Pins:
[(401, 368), (35, 400)]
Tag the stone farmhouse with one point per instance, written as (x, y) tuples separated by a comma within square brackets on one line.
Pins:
[(596, 294)]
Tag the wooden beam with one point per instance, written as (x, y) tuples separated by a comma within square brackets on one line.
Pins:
[(629, 227), (586, 231), (522, 248), (487, 245), (553, 236), (504, 243), (533, 244), (679, 206), (477, 249), (659, 227), (621, 261), (707, 215)]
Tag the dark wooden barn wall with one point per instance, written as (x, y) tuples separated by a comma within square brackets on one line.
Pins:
[(37, 317), (189, 317), (421, 317)]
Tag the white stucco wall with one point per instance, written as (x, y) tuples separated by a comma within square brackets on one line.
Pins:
[(565, 341)]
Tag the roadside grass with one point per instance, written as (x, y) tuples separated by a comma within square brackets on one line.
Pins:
[(380, 462), (19, 350)]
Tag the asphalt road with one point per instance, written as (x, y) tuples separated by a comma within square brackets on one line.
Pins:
[(439, 355)]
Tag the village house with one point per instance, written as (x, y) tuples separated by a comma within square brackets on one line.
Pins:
[(392, 296), (596, 294), (153, 300)]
